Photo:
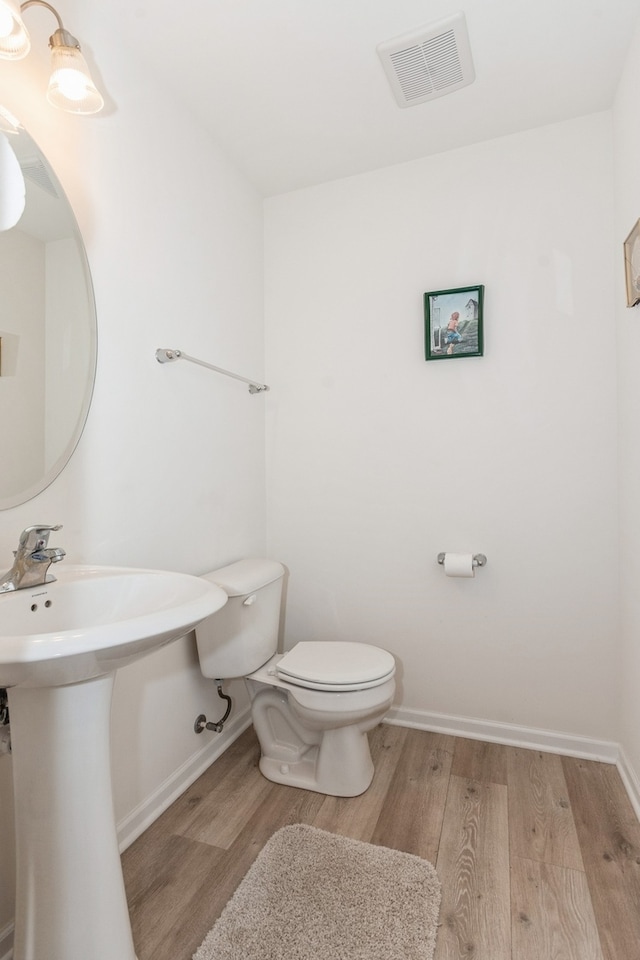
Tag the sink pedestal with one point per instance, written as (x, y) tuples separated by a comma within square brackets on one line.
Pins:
[(70, 897), (61, 643)]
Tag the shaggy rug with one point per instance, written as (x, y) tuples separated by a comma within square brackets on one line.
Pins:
[(312, 894)]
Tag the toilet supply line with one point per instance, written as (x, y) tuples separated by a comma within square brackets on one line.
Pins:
[(164, 355), (201, 720)]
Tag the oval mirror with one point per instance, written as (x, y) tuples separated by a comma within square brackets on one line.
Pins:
[(48, 334)]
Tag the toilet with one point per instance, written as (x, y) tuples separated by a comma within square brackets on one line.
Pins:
[(311, 707)]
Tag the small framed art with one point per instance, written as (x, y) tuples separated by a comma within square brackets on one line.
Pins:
[(453, 323), (632, 265)]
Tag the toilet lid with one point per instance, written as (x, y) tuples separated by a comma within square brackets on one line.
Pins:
[(336, 665)]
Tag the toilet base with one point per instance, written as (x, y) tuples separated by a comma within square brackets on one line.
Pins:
[(300, 773), (336, 761), (306, 773)]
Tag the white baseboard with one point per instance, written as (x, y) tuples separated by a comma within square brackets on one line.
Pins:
[(6, 942), (549, 741), (136, 822), (630, 780), (507, 733), (530, 738)]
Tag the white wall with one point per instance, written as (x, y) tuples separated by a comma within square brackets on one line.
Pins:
[(627, 152), (377, 460), (169, 472)]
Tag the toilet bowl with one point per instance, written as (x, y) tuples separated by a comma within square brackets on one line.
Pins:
[(311, 707), (315, 737)]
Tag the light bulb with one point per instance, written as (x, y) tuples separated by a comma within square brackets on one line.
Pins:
[(6, 22), (70, 84), (14, 39)]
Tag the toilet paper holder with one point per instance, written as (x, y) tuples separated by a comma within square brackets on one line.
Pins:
[(479, 559)]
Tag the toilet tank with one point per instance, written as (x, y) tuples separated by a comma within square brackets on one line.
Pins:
[(244, 633)]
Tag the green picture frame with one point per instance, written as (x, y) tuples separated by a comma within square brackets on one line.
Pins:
[(454, 323), (632, 266)]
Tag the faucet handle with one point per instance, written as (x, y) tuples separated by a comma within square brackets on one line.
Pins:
[(36, 536)]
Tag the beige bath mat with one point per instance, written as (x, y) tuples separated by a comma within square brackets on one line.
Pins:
[(312, 895)]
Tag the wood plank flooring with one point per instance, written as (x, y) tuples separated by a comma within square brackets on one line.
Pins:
[(539, 855)]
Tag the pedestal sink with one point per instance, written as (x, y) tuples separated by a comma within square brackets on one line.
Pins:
[(60, 645)]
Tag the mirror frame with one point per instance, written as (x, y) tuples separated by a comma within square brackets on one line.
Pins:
[(61, 461)]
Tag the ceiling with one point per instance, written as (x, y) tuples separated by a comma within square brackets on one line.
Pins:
[(295, 93)]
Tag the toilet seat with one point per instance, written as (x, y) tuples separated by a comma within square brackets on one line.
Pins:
[(338, 666)]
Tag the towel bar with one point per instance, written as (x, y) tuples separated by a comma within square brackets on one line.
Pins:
[(164, 355)]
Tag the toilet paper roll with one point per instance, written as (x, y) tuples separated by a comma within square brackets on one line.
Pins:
[(459, 565)]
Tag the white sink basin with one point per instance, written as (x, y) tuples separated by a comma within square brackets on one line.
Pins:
[(92, 620)]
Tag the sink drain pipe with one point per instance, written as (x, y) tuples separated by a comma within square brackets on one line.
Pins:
[(201, 721)]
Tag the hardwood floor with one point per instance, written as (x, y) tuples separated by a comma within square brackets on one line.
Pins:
[(539, 855)]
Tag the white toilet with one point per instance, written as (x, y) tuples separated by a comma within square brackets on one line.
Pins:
[(312, 707)]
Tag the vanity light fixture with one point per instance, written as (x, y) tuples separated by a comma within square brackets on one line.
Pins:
[(70, 85)]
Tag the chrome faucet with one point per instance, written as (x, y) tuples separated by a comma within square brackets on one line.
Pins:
[(32, 559)]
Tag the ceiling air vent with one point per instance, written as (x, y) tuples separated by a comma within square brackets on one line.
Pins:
[(428, 62)]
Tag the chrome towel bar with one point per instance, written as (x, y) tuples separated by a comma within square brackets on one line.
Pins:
[(164, 355)]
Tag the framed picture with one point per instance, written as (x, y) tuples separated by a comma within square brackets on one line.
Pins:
[(453, 323), (632, 265)]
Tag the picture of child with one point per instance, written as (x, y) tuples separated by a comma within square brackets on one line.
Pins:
[(453, 336), (453, 323)]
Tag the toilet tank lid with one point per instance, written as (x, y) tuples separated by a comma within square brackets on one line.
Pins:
[(245, 576)]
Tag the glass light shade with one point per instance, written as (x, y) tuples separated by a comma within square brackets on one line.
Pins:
[(14, 39), (71, 87)]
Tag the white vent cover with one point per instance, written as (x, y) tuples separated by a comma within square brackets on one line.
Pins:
[(428, 62), (34, 169)]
